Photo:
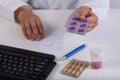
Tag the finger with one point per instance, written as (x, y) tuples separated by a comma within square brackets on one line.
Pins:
[(24, 30), (91, 26), (35, 30), (93, 19), (89, 29), (29, 31), (39, 38), (83, 12), (40, 27)]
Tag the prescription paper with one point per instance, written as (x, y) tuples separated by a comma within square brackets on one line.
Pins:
[(54, 38)]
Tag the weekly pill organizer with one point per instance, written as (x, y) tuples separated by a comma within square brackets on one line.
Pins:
[(75, 25)]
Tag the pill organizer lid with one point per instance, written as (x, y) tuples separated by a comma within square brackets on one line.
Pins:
[(97, 51)]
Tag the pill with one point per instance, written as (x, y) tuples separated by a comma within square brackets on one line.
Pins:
[(73, 72), (65, 70), (96, 65), (77, 74), (72, 28), (76, 68), (69, 65), (76, 62), (81, 69), (84, 20), (75, 18), (84, 64), (73, 66), (83, 25), (73, 61), (81, 30), (73, 23), (68, 71)]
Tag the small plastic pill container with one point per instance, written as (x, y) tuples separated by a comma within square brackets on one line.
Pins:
[(97, 55)]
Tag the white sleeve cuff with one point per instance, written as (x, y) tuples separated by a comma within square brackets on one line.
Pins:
[(8, 8)]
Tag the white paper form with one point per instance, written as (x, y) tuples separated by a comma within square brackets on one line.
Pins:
[(54, 38)]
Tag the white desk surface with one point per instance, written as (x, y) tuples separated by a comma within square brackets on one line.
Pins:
[(105, 35)]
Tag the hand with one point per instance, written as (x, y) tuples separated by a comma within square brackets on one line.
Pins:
[(31, 24), (86, 12)]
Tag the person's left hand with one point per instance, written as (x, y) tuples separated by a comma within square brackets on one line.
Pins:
[(85, 12)]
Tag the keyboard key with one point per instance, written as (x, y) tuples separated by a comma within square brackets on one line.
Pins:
[(24, 65)]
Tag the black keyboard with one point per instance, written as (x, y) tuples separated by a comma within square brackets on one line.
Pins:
[(20, 64)]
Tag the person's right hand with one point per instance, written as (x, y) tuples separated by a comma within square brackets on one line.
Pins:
[(31, 25)]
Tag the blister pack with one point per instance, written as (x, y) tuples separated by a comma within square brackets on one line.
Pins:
[(75, 67), (75, 25)]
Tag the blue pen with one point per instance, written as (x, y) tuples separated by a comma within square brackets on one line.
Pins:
[(73, 52)]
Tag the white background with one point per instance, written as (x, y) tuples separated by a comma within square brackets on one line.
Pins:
[(115, 4)]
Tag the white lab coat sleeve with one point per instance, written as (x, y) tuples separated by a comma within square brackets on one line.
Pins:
[(7, 8), (99, 7)]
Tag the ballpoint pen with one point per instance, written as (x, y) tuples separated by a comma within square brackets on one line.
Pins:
[(73, 52)]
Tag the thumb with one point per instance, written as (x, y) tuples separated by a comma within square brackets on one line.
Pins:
[(83, 12), (82, 15)]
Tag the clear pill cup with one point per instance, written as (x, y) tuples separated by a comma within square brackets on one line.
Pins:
[(96, 57)]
